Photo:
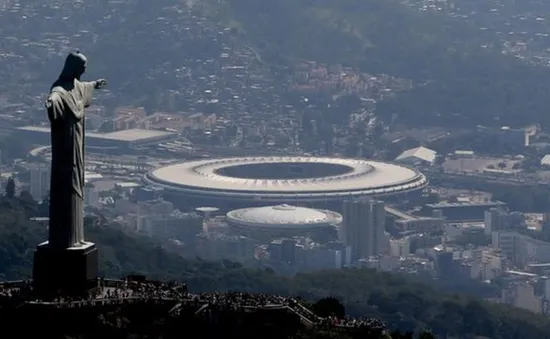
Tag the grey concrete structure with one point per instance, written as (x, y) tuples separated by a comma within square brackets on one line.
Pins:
[(66, 262), (123, 140)]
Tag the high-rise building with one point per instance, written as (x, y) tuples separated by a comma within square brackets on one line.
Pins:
[(522, 295), (495, 220), (91, 195), (284, 250), (444, 265), (40, 181), (400, 247), (381, 242), (288, 251), (363, 227)]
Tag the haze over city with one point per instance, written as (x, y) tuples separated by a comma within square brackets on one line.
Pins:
[(362, 167)]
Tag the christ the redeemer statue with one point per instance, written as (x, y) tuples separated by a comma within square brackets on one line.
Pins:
[(65, 104), (66, 257)]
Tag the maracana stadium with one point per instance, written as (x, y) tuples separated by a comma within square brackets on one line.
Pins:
[(253, 181)]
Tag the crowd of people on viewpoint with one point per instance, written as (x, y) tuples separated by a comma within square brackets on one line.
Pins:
[(129, 290)]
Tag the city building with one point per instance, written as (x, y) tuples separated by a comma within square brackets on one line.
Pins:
[(496, 219), (182, 227), (303, 255), (508, 137), (122, 140), (363, 228), (487, 264), (445, 264), (468, 211), (284, 251), (522, 295), (400, 247), (402, 222), (40, 181), (91, 195), (521, 249), (419, 156)]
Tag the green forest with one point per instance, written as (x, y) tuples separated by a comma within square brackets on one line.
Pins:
[(397, 300)]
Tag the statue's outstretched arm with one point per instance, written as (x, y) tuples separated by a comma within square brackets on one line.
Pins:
[(100, 83), (88, 88)]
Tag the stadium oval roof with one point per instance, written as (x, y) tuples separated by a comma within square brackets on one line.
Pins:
[(285, 216), (360, 178)]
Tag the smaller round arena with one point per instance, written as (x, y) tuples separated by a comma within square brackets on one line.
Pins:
[(283, 220)]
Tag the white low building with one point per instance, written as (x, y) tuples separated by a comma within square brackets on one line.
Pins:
[(417, 156)]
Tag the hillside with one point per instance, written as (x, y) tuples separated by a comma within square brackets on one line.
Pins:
[(119, 255), (147, 49), (397, 300), (216, 315), (458, 70)]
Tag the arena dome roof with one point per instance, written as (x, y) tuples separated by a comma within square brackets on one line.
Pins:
[(288, 177), (283, 216)]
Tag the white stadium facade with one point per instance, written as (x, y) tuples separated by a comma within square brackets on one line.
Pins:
[(293, 180)]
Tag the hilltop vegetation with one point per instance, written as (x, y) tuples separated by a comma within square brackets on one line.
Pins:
[(397, 300), (394, 299), (119, 255), (459, 72)]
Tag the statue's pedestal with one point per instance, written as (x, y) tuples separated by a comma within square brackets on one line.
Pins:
[(71, 271)]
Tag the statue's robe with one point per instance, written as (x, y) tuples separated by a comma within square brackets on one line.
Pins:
[(65, 105)]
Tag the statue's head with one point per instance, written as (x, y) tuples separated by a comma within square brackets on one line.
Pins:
[(75, 66)]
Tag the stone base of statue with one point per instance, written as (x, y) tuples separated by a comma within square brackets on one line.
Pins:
[(71, 271)]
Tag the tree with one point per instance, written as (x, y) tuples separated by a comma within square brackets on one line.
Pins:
[(10, 188), (44, 207), (329, 307), (26, 196), (426, 335)]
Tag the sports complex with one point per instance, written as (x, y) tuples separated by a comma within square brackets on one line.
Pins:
[(249, 181), (282, 221)]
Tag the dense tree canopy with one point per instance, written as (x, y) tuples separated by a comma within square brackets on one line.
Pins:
[(327, 307), (10, 188)]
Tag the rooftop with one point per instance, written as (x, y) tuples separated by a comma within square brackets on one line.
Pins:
[(421, 153), (134, 134), (465, 204), (372, 176), (399, 214), (284, 215)]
